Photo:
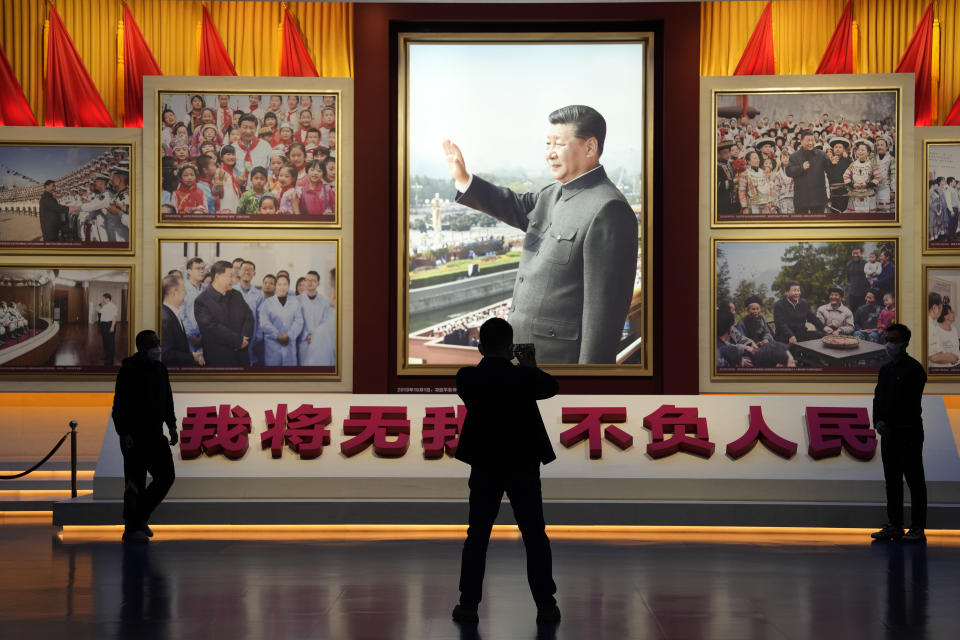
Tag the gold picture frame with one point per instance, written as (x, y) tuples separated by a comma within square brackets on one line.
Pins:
[(42, 372), (709, 340), (94, 138), (296, 373), (899, 86), (932, 374), (641, 347), (931, 138)]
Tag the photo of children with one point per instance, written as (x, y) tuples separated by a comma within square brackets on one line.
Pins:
[(57, 196), (800, 308), (243, 157)]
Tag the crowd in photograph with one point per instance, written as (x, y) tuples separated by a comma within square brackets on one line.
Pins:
[(13, 323), (943, 203), (266, 159), (90, 204), (943, 336), (829, 165), (465, 330), (863, 309), (222, 315)]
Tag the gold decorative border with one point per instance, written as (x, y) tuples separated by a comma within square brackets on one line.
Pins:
[(295, 373), (132, 305), (932, 376), (716, 376), (83, 137), (922, 184), (646, 367), (835, 87)]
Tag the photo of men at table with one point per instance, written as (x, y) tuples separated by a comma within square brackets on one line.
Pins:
[(221, 313), (823, 291), (824, 156), (259, 156)]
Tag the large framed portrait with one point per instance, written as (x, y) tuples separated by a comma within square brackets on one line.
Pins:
[(242, 152), (252, 308), (941, 190), (65, 319), (68, 191), (941, 344), (501, 240), (800, 152), (802, 309)]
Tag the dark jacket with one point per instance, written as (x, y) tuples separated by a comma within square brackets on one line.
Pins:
[(790, 320), (899, 391), (503, 429), (53, 215), (224, 320), (142, 399), (856, 279), (887, 280), (174, 346), (809, 186), (756, 329), (866, 316)]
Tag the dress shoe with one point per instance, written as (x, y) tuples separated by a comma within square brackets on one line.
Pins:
[(462, 613), (915, 535), (889, 532), (134, 534)]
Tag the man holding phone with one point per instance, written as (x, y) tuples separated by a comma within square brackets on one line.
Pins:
[(504, 441)]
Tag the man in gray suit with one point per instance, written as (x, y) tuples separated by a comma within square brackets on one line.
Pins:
[(579, 259)]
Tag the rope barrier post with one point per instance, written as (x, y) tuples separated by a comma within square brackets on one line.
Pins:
[(73, 458)]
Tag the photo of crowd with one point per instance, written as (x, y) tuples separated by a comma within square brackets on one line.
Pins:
[(803, 307), (240, 157), (249, 306), (825, 156), (943, 195), (56, 196), (943, 334)]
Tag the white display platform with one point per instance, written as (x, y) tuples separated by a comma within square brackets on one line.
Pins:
[(622, 487)]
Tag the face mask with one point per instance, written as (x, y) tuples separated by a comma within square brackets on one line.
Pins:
[(154, 354), (894, 349)]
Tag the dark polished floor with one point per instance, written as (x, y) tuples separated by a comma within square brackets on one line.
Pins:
[(382, 589), (82, 344)]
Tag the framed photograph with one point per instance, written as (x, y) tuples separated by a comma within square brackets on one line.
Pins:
[(65, 319), (484, 233), (817, 152), (251, 308), (70, 191), (245, 152), (941, 191), (941, 344), (804, 309)]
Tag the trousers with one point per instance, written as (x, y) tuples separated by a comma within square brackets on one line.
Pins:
[(902, 455), (109, 343), (150, 456), (523, 490)]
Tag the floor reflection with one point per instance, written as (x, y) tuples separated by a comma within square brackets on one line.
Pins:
[(381, 590)]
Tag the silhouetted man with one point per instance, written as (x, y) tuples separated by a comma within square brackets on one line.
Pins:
[(896, 417), (504, 441), (142, 402)]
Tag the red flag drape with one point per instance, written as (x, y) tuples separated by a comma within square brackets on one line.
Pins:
[(214, 59), (757, 58), (71, 97), (953, 119), (917, 59), (14, 110), (838, 58), (294, 58), (138, 61)]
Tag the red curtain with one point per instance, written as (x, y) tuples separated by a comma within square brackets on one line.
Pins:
[(953, 119), (757, 59), (838, 58), (71, 97), (917, 59), (138, 61), (14, 110), (294, 58), (214, 59)]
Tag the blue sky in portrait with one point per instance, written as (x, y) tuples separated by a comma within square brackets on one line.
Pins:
[(42, 162), (493, 101)]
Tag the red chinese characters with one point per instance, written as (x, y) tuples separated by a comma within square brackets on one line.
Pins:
[(387, 428), (304, 430), (834, 428), (590, 427), (758, 431), (688, 432), (212, 431), (441, 430)]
